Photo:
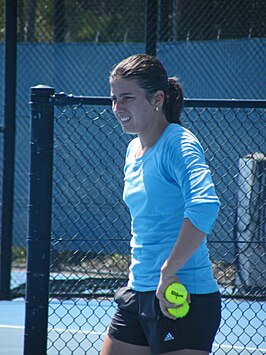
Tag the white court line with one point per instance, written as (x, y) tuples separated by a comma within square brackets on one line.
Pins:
[(11, 326), (62, 330), (222, 346), (236, 347)]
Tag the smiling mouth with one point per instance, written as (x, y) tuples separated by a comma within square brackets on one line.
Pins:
[(124, 119)]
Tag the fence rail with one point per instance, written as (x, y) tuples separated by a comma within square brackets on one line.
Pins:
[(63, 99), (79, 228)]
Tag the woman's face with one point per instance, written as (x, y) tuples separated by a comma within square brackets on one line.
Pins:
[(131, 107)]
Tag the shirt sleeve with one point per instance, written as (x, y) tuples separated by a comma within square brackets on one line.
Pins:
[(187, 166)]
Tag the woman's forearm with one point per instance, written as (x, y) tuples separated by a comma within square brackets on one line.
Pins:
[(188, 241)]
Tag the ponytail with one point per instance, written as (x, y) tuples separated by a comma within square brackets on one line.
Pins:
[(174, 100)]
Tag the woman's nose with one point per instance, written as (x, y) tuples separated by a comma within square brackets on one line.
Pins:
[(118, 107)]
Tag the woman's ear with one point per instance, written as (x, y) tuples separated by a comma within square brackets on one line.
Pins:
[(158, 99)]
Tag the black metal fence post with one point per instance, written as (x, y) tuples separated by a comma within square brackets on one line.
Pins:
[(9, 129), (39, 223), (151, 18)]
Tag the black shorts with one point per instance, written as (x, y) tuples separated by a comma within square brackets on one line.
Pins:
[(139, 320)]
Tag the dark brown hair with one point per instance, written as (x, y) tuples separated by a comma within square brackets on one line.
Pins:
[(151, 76)]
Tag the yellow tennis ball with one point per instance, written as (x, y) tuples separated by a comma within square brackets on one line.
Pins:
[(181, 311), (176, 293)]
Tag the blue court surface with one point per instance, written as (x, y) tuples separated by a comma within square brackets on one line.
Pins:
[(246, 315)]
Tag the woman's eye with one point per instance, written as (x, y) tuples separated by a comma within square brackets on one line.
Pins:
[(124, 100), (128, 98)]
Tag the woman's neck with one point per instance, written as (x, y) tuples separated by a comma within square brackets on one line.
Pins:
[(147, 141)]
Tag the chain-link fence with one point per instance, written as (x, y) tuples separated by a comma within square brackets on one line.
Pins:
[(217, 49), (90, 226)]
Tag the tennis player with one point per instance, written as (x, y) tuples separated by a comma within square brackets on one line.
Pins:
[(173, 205)]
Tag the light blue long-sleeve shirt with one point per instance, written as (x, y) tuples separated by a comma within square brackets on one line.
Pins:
[(167, 184)]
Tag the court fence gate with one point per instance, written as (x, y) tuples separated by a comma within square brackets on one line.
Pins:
[(79, 228)]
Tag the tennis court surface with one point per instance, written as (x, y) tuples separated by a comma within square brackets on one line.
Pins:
[(79, 334)]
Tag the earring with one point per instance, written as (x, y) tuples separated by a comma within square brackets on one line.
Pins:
[(156, 109)]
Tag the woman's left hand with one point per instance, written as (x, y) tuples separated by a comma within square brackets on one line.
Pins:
[(166, 280), (160, 294)]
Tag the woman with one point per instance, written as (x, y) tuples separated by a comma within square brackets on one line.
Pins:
[(173, 206)]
